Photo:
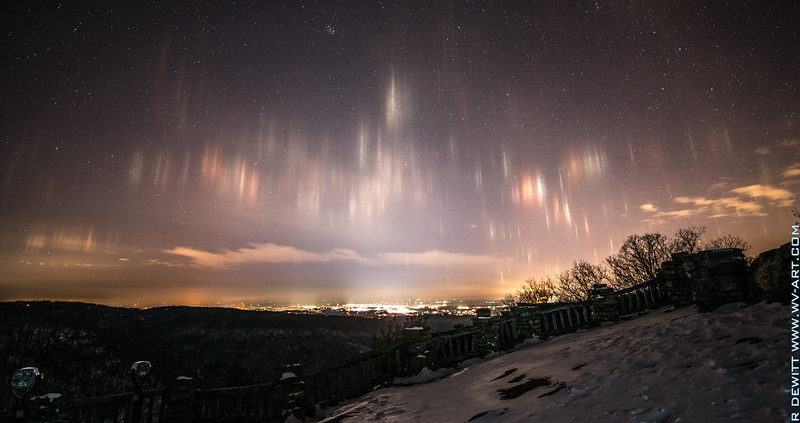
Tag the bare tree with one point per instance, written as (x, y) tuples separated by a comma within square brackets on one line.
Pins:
[(638, 259), (576, 283), (687, 239), (729, 241), (533, 291), (509, 299)]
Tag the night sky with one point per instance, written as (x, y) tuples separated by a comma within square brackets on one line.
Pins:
[(201, 153)]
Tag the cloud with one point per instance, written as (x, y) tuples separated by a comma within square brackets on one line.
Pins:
[(792, 171), (793, 143), (766, 150), (274, 253), (648, 208), (763, 151), (781, 196), (165, 263), (721, 207), (737, 202), (261, 253), (675, 214)]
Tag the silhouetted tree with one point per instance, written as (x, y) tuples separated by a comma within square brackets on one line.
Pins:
[(729, 241), (509, 299), (576, 283), (533, 291), (687, 240), (638, 259)]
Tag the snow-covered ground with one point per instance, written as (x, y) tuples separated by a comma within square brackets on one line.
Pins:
[(666, 366)]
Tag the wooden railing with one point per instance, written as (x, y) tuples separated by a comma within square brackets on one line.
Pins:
[(263, 402), (639, 298), (455, 346), (355, 376), (146, 406), (567, 318)]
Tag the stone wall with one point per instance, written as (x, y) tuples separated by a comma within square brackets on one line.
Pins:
[(529, 320), (488, 338), (707, 279), (769, 275), (605, 304), (676, 281)]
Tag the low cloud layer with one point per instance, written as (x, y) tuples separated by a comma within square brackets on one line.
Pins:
[(743, 201), (261, 253), (274, 253)]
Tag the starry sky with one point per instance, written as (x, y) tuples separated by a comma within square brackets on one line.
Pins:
[(203, 152)]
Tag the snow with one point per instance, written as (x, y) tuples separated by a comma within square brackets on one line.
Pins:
[(49, 396), (425, 376), (665, 366)]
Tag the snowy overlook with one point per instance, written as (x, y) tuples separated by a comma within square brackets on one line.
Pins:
[(671, 365)]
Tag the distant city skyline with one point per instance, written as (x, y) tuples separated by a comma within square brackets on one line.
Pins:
[(368, 151)]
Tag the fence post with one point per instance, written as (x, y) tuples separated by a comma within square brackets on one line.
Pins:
[(181, 397), (136, 407), (489, 335), (293, 388), (138, 373)]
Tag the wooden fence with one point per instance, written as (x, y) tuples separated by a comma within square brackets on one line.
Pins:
[(146, 406), (567, 318), (263, 403), (640, 298)]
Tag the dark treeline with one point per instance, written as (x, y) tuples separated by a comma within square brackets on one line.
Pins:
[(636, 261), (87, 349)]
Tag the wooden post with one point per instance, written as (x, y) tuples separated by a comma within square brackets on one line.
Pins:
[(181, 397), (136, 407)]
